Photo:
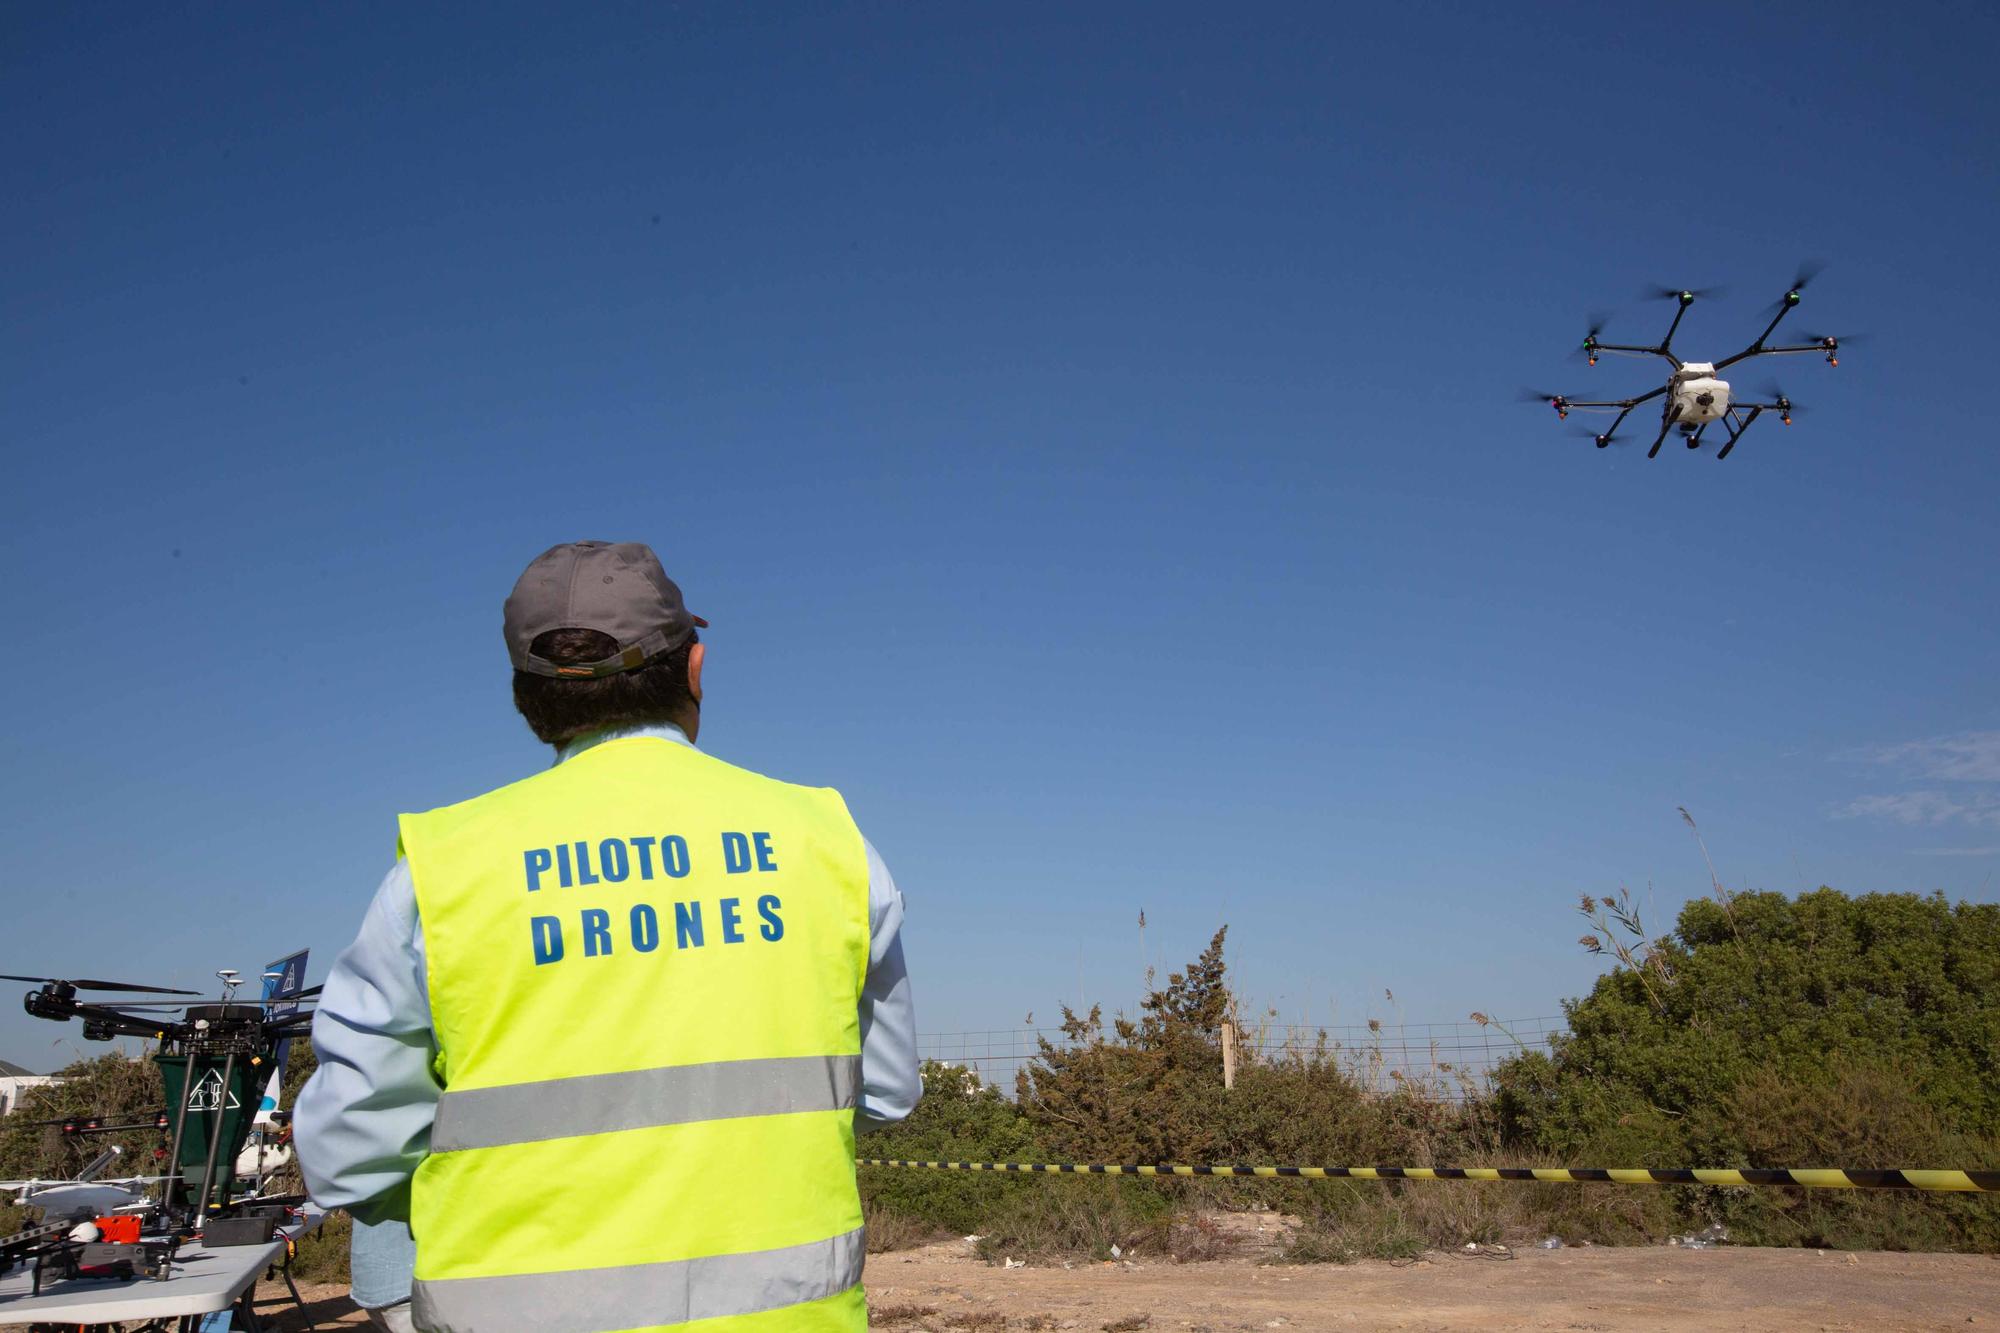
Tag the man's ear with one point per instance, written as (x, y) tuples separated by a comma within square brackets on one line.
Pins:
[(696, 655)]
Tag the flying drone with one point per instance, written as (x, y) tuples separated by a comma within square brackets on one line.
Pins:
[(1694, 397)]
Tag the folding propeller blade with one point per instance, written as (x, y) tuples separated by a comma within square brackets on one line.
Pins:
[(1588, 347), (87, 983), (1776, 395), (1808, 270), (1657, 293)]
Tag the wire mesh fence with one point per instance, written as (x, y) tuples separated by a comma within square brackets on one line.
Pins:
[(1451, 1060)]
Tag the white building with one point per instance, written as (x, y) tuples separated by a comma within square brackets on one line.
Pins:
[(15, 1081)]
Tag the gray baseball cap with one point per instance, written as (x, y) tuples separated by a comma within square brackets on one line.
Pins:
[(615, 588)]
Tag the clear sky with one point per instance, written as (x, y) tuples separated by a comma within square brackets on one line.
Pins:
[(1091, 430)]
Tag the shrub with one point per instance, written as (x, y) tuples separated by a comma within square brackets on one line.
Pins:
[(958, 1119), (1771, 1031), (1145, 1091), (111, 1087)]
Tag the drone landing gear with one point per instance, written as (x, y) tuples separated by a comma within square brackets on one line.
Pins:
[(1736, 429), (1673, 415)]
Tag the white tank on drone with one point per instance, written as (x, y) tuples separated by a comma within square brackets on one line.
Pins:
[(1701, 397)]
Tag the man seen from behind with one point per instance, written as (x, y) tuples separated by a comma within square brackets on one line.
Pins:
[(602, 1042)]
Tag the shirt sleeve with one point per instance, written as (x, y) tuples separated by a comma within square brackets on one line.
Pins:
[(363, 1120), (891, 1080)]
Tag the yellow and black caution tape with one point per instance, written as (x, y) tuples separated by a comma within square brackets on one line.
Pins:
[(1827, 1178)]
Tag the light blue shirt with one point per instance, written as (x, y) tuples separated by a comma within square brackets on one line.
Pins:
[(363, 1121)]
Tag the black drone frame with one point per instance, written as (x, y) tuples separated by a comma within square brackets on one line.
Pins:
[(235, 1030), (1740, 416)]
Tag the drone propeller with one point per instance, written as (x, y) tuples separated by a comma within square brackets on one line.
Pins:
[(1782, 405), (1602, 441), (1808, 270), (1588, 348), (1831, 345), (1555, 400), (1685, 295), (85, 983)]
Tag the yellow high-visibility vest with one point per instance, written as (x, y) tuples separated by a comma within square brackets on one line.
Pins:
[(645, 968)]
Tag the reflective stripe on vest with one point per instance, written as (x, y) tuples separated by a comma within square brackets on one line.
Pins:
[(642, 1098), (645, 969), (598, 1300)]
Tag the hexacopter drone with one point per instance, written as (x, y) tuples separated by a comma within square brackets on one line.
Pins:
[(1695, 398)]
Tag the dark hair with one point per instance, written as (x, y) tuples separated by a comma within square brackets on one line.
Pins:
[(559, 710)]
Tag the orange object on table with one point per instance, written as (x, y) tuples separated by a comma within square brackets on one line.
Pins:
[(120, 1230)]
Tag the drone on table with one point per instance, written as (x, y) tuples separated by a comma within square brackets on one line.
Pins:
[(1694, 397), (215, 1059)]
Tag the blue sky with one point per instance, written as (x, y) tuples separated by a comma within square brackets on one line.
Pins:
[(1091, 430)]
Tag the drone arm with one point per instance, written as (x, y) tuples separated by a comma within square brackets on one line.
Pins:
[(1641, 351), (127, 1025), (1784, 308), (1753, 350), (1624, 406), (1680, 313), (1619, 420), (1625, 403), (296, 1025), (97, 1018)]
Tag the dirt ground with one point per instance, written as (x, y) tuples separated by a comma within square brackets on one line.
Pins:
[(943, 1288)]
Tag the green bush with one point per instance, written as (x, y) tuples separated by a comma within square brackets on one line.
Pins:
[(1764, 1030), (110, 1087), (1821, 1030), (1144, 1091), (957, 1120)]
